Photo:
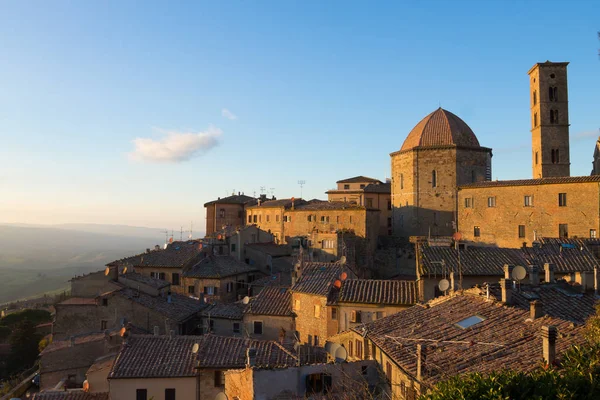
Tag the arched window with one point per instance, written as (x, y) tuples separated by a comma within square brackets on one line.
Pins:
[(401, 181), (433, 179), (553, 93)]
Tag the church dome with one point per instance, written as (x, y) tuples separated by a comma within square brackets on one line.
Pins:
[(440, 128)]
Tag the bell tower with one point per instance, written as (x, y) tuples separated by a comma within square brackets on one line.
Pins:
[(549, 119)]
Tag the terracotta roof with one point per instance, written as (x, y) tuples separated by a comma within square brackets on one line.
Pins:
[(125, 262), (234, 199), (176, 255), (162, 356), (440, 128), (558, 300), (317, 278), (285, 203), (532, 182), (378, 188), (104, 362), (513, 342), (146, 280), (273, 249), (217, 267), (225, 310), (371, 291), (329, 205), (78, 301), (179, 309), (279, 278), (565, 258), (272, 300), (359, 179), (71, 395)]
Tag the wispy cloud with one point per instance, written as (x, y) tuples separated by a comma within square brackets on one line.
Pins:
[(586, 134), (174, 146), (228, 114)]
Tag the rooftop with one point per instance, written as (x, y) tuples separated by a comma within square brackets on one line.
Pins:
[(532, 182), (379, 188), (317, 278), (272, 300), (273, 249), (70, 395), (371, 291), (233, 199), (225, 310), (328, 205), (360, 179), (146, 280), (217, 267), (78, 301), (285, 203)]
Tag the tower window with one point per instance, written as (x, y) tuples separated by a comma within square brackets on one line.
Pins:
[(401, 181), (555, 155), (554, 116), (534, 97), (433, 179), (535, 120), (553, 93), (476, 231), (536, 158)]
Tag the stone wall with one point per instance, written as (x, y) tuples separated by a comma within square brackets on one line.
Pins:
[(92, 285), (268, 219), (272, 325), (185, 388), (307, 325), (215, 220), (168, 274)]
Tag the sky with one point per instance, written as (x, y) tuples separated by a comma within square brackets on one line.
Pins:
[(138, 113)]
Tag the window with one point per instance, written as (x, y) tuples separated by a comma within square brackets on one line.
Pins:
[(359, 352), (175, 279), (362, 185), (562, 199), (141, 394), (563, 230), (535, 120), (554, 116), (369, 203), (476, 231), (309, 218), (555, 156), (433, 179), (268, 217), (169, 394), (468, 202), (277, 218), (328, 244), (401, 181), (191, 289), (222, 213), (324, 219), (491, 202), (389, 222), (211, 290), (521, 231), (351, 219), (103, 325), (236, 327), (334, 314), (536, 158), (469, 322), (296, 304), (249, 219), (287, 218), (354, 316), (232, 247), (105, 302), (316, 340), (388, 371), (553, 93), (161, 275), (219, 378), (350, 348), (363, 370), (317, 311), (528, 201), (254, 218), (229, 287), (534, 97), (258, 327), (260, 218), (593, 234), (346, 187), (318, 384), (337, 219), (389, 205)]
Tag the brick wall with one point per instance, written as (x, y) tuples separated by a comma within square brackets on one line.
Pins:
[(239, 384), (215, 220), (271, 326), (306, 322)]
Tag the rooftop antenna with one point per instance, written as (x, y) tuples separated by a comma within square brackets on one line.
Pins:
[(181, 234), (262, 190), (191, 229), (301, 183), (272, 190), (166, 232)]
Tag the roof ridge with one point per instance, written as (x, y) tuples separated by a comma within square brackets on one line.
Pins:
[(284, 349)]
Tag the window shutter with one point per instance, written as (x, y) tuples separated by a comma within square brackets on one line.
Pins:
[(216, 290), (357, 313)]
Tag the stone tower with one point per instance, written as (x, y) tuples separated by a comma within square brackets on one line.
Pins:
[(440, 153), (596, 162), (549, 119)]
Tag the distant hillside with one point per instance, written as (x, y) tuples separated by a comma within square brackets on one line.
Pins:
[(35, 259)]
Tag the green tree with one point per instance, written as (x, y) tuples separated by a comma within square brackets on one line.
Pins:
[(24, 346)]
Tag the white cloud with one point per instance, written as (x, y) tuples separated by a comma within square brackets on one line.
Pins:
[(586, 134), (228, 114), (175, 146)]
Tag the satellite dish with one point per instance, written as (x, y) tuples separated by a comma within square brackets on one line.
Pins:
[(331, 348), (106, 271), (296, 346), (337, 284), (195, 348), (343, 260), (221, 396), (125, 270), (340, 354), (457, 236), (165, 247), (122, 332), (519, 273), (444, 285), (246, 300), (343, 276), (86, 386)]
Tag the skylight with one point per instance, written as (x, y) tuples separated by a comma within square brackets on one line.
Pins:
[(469, 322)]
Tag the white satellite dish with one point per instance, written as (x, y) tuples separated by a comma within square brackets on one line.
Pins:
[(331, 348), (246, 300), (444, 285), (195, 348), (519, 273), (165, 247), (221, 396), (341, 354), (343, 260)]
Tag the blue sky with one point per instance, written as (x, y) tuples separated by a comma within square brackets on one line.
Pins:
[(312, 90)]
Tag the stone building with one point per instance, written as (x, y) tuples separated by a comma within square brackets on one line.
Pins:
[(438, 155), (596, 162), (269, 216), (227, 211), (368, 192), (231, 241)]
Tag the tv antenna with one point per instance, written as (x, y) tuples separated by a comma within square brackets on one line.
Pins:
[(272, 190), (262, 190), (166, 232), (301, 183), (191, 229), (181, 234)]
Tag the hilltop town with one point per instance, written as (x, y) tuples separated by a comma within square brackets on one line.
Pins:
[(382, 290)]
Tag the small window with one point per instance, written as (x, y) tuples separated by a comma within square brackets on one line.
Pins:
[(476, 231), (535, 120), (354, 316), (521, 231), (103, 325), (351, 219), (469, 322), (401, 181), (258, 327), (236, 327), (277, 218), (553, 93), (491, 202), (468, 202), (219, 378), (317, 311), (175, 279), (534, 97), (557, 155), (316, 340), (210, 290), (169, 394), (255, 218), (593, 234), (389, 205), (369, 203), (328, 244), (362, 185), (141, 394), (222, 213), (433, 179), (388, 371), (562, 199), (268, 217), (528, 201), (337, 219), (563, 230), (249, 219), (260, 218), (229, 287), (233, 247), (309, 218), (346, 187), (334, 314), (359, 352), (191, 289), (363, 370), (536, 158), (389, 222), (105, 302), (554, 116), (162, 276)]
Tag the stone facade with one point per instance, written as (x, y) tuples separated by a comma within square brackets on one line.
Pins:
[(93, 284), (228, 288), (172, 275), (549, 101), (185, 388), (313, 325), (228, 211), (524, 210)]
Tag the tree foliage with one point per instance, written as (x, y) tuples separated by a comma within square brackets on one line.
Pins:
[(24, 346)]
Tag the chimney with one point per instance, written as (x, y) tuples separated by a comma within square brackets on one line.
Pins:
[(421, 359), (549, 344), (169, 300), (147, 250), (508, 270), (250, 357), (535, 309), (239, 193), (534, 275), (549, 269), (72, 341), (452, 282), (156, 331), (506, 291), (596, 281)]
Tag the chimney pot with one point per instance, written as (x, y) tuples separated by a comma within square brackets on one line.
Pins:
[(549, 270), (508, 270), (506, 291), (534, 275), (535, 309), (549, 344), (156, 331)]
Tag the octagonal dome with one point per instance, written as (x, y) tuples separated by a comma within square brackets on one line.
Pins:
[(440, 128)]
